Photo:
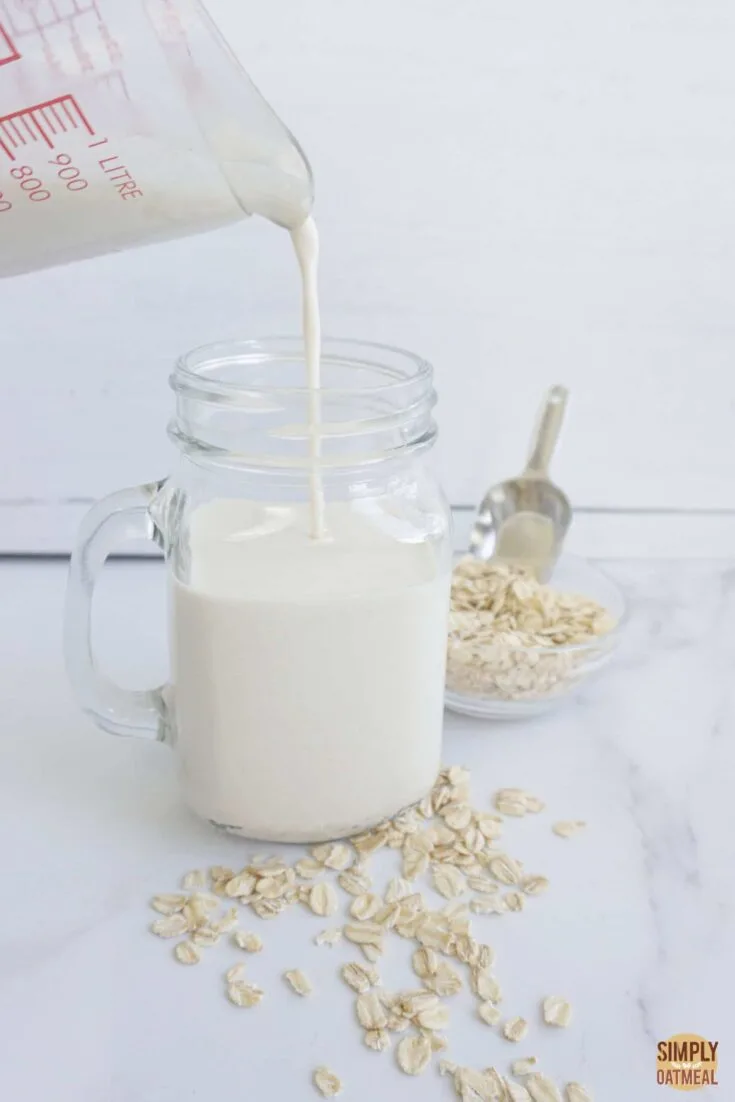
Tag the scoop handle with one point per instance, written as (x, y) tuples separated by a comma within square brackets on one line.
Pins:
[(547, 431)]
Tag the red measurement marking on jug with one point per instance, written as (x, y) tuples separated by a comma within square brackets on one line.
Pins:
[(37, 16), (42, 122), (8, 50), (65, 32)]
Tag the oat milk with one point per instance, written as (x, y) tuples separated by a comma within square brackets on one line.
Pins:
[(305, 240), (308, 674)]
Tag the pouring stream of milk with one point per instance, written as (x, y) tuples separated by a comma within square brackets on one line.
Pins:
[(306, 245)]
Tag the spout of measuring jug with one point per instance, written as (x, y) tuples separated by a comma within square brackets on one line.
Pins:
[(266, 170), (260, 158)]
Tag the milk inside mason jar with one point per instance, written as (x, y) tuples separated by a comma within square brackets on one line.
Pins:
[(308, 675)]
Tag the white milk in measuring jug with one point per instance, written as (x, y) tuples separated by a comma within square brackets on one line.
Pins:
[(308, 675)]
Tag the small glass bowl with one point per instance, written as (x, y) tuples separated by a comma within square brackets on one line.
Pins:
[(529, 681)]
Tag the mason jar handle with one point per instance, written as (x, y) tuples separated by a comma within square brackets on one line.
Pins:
[(120, 517)]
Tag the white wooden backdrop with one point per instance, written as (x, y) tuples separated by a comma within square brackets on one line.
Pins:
[(525, 191)]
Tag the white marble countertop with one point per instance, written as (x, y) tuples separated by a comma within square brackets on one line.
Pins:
[(636, 928)]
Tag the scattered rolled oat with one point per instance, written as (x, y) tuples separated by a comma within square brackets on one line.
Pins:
[(489, 905), (364, 933), (271, 887), (251, 943), (433, 1017), (444, 837), (515, 1029), (372, 953), (466, 950), (449, 881), (226, 923), (187, 953), (445, 981), (377, 1039), (489, 1013), (496, 1081), (533, 803), (486, 986), (414, 863), (170, 926), (169, 904), (244, 994), (524, 1066), (484, 958), (339, 856), (457, 816), (220, 872), (308, 868), (326, 1082), (330, 937), (557, 1011), (388, 914), (542, 1089), (411, 1003), (204, 902), (470, 1083), (365, 906), (298, 982), (205, 937), (577, 1093), (534, 885), (566, 828), (413, 1054), (359, 978), (425, 962), (240, 886), (516, 1092), (367, 844), (370, 1011), (513, 801), (397, 889), (269, 908), (480, 882), (354, 883), (505, 869), (194, 880), (490, 826), (321, 852), (514, 901), (323, 899), (196, 911)]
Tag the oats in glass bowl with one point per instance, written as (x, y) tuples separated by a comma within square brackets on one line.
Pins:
[(517, 647)]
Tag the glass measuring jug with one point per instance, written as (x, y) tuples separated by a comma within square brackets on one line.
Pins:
[(124, 122)]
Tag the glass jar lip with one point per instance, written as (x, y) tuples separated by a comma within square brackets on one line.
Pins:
[(191, 372)]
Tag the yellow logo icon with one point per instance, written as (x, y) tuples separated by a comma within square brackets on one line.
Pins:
[(687, 1062)]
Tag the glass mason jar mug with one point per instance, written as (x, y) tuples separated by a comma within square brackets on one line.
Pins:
[(307, 674)]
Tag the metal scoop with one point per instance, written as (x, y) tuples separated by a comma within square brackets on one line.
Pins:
[(525, 519)]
